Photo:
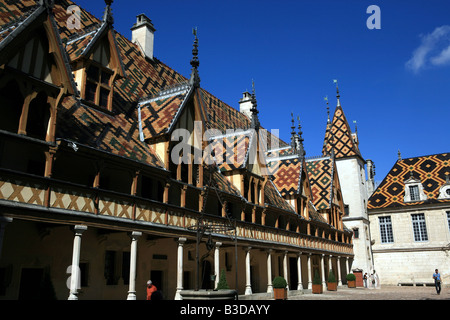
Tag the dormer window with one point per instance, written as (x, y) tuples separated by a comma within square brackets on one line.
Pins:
[(444, 191), (414, 190), (98, 87)]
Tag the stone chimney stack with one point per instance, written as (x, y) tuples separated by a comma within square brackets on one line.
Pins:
[(143, 33)]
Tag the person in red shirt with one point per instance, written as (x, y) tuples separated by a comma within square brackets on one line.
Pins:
[(150, 289)]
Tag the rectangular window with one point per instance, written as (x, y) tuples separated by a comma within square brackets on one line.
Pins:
[(414, 193), (419, 227), (386, 230), (448, 220)]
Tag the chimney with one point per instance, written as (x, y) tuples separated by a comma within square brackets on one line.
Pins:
[(142, 33), (245, 104)]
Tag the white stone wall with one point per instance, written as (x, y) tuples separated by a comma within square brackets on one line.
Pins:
[(352, 180), (406, 260)]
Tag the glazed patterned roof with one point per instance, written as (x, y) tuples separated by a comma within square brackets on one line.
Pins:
[(320, 173), (287, 176), (232, 150), (117, 131), (273, 197), (158, 113), (338, 136), (430, 170), (115, 134)]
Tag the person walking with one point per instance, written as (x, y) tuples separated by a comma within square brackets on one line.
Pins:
[(437, 281), (150, 289), (365, 280)]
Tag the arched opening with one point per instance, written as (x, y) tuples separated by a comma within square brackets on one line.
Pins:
[(11, 103)]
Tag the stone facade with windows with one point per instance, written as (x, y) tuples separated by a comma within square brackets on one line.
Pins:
[(409, 220)]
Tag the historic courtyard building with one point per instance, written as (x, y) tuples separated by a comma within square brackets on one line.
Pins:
[(409, 216), (116, 169)]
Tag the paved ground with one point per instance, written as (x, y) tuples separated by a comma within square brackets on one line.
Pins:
[(344, 293), (384, 293)]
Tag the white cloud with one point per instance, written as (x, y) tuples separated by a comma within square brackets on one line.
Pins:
[(434, 50)]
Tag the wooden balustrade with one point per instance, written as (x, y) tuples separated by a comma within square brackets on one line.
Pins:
[(34, 190)]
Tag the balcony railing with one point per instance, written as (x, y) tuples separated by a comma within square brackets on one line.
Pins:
[(55, 194)]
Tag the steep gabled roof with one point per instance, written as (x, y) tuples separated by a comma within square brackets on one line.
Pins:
[(430, 170), (21, 18), (338, 137)]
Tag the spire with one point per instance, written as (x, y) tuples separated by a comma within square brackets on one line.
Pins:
[(255, 121), (195, 79), (107, 16), (328, 110), (300, 148), (337, 93), (293, 135), (399, 155)]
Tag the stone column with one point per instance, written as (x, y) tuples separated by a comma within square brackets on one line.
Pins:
[(181, 242), (346, 265), (248, 285), (309, 272), (216, 263), (3, 222), (75, 267), (299, 271), (269, 271), (322, 266), (339, 271), (285, 269), (133, 257)]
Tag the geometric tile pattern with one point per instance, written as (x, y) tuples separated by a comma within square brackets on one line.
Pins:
[(320, 173), (272, 196), (431, 170), (287, 176), (231, 151), (338, 137), (157, 115)]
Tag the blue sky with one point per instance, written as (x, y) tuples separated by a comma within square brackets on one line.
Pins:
[(393, 81)]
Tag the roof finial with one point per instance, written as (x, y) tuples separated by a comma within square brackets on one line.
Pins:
[(328, 109), (195, 79), (300, 147), (356, 127), (293, 135), (107, 16), (337, 93), (399, 155), (255, 121)]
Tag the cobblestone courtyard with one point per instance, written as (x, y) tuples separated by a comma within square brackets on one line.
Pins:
[(384, 293)]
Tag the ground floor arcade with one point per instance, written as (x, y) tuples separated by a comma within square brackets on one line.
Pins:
[(91, 261)]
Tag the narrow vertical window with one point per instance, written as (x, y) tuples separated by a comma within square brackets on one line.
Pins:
[(419, 227), (414, 193), (386, 230), (448, 220)]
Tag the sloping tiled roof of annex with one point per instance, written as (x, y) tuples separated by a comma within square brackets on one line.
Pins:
[(320, 173), (431, 170)]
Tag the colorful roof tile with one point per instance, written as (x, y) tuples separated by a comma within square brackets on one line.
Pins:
[(320, 173), (431, 170), (338, 137)]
